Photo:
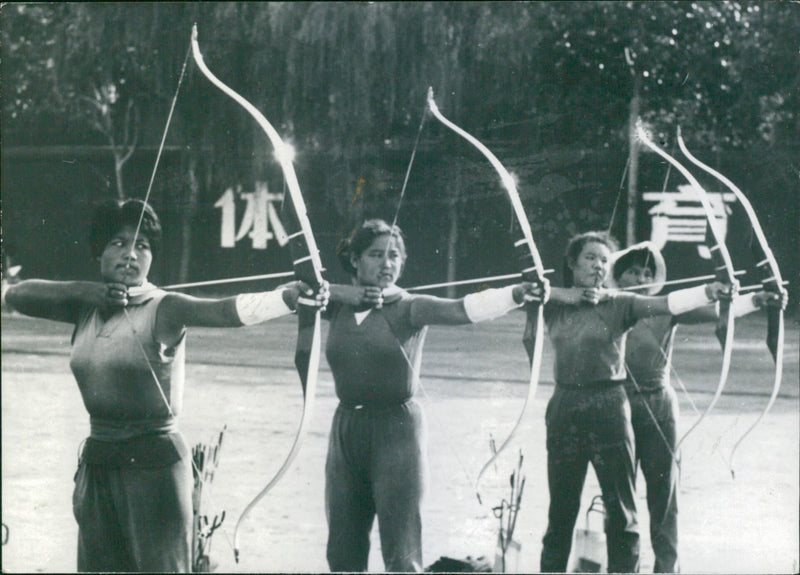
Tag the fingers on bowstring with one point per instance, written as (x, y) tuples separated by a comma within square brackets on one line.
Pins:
[(116, 294), (309, 297)]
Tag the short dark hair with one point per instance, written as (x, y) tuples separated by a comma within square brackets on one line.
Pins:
[(576, 245), (641, 257), (111, 216), (363, 237)]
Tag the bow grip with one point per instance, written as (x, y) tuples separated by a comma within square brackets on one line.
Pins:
[(529, 273), (307, 272), (722, 275), (527, 264), (302, 261), (771, 281)]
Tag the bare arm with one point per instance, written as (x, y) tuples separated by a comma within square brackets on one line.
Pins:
[(178, 311), (741, 305), (570, 295), (649, 306), (356, 296), (62, 301), (643, 306), (706, 314), (426, 309), (764, 299), (431, 310), (476, 307), (181, 310)]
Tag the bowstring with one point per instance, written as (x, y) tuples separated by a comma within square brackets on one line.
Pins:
[(417, 376), (133, 247), (673, 371), (405, 355), (660, 430), (167, 403), (719, 245), (619, 194), (163, 141), (675, 457), (411, 365), (408, 169), (774, 272), (671, 366)]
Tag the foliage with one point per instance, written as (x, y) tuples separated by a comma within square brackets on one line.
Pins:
[(349, 76), (347, 81)]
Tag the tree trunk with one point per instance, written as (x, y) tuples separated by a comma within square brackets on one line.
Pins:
[(452, 234), (187, 217), (118, 163), (633, 173)]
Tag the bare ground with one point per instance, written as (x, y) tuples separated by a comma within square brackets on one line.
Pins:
[(474, 381)]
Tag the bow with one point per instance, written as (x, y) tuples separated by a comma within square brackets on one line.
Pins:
[(723, 270), (200, 477), (770, 276), (308, 268), (533, 271)]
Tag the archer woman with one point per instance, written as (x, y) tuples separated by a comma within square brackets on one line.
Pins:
[(588, 417), (654, 405), (133, 487), (377, 451)]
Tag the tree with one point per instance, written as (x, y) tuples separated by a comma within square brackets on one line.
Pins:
[(346, 82)]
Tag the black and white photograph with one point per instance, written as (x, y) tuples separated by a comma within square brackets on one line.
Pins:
[(308, 287)]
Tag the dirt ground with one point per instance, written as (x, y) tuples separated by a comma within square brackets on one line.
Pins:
[(474, 385)]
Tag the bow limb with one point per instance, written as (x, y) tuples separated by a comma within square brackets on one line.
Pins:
[(282, 153), (723, 269), (198, 473), (533, 270), (308, 267), (771, 280)]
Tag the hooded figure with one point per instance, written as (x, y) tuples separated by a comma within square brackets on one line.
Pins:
[(645, 254)]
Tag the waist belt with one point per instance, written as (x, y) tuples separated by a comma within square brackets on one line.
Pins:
[(373, 406), (156, 450), (643, 389), (600, 384)]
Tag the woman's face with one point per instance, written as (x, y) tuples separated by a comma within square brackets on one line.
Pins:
[(122, 262), (380, 264), (592, 265), (635, 275)]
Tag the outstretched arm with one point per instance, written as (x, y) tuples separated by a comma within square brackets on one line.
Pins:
[(763, 299), (477, 307), (576, 295), (681, 301), (677, 303), (741, 305), (432, 310), (178, 311), (62, 301), (355, 295)]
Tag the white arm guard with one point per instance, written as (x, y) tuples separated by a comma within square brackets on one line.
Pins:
[(254, 308), (688, 299), (743, 305), (490, 304)]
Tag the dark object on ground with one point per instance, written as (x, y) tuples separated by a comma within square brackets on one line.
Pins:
[(466, 565)]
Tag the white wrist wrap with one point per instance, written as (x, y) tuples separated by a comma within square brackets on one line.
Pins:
[(490, 304), (688, 299), (743, 305), (254, 308)]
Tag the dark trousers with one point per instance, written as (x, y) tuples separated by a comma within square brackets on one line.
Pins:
[(654, 453), (134, 519), (376, 466), (591, 425)]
